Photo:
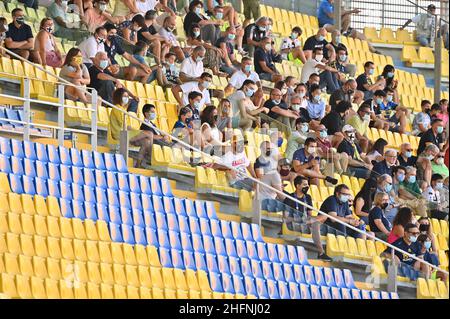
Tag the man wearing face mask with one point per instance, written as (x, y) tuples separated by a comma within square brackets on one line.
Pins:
[(334, 121), (58, 11), (291, 47), (356, 164), (345, 93), (410, 183), (266, 171), (186, 88), (264, 59), (434, 135), (93, 45), (433, 196), (405, 157), (328, 75), (360, 122), (318, 41), (297, 138), (337, 206), (279, 110), (254, 33), (226, 45), (192, 67), (19, 37), (365, 83), (422, 120), (166, 32), (438, 166), (425, 26), (342, 59), (244, 73)]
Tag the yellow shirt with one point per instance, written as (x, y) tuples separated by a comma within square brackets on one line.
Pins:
[(115, 125), (358, 124)]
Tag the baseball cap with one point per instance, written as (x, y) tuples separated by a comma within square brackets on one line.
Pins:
[(348, 128), (431, 7)]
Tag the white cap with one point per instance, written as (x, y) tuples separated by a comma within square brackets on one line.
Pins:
[(348, 128)]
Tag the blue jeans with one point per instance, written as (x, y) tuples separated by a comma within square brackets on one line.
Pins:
[(423, 40), (245, 183), (359, 172), (30, 3), (329, 80)]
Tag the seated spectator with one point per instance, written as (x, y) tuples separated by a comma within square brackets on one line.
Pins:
[(313, 79), (398, 178), (404, 217), (291, 83), (422, 120), (166, 32), (254, 33), (121, 99), (356, 165), (318, 41), (65, 27), (376, 152), (3, 30), (228, 13), (376, 103), (291, 47), (432, 195), (434, 111), (328, 75), (334, 121), (410, 183), (337, 162), (443, 115), (409, 243), (426, 228), (378, 222), (105, 83), (299, 105), (365, 83), (300, 214), (438, 166), (316, 106), (341, 63), (19, 37), (148, 34), (306, 162), (337, 206), (363, 202), (130, 32), (74, 71), (229, 63), (430, 255), (396, 116), (360, 122), (172, 72), (300, 92), (93, 45), (213, 56), (297, 138), (346, 93), (30, 3), (183, 128), (145, 5), (245, 113), (388, 75), (264, 59), (386, 165), (385, 183), (432, 136), (192, 67), (125, 7), (218, 14), (405, 157), (224, 115), (210, 30), (423, 164), (211, 138), (266, 171), (201, 86), (286, 172), (45, 45), (145, 73), (194, 103), (325, 15), (245, 73), (279, 111), (97, 16)]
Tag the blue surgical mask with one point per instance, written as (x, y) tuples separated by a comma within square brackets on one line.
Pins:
[(412, 179), (152, 116), (199, 59), (276, 102), (103, 64), (305, 128), (440, 185), (344, 198), (196, 33), (390, 98), (125, 100), (427, 245), (338, 39), (408, 154), (388, 188), (401, 177), (440, 129), (219, 15), (321, 38), (390, 74), (197, 104), (343, 58), (231, 36), (317, 98), (371, 71), (197, 10), (294, 35), (323, 134), (248, 68), (249, 92), (206, 84), (412, 238), (379, 100)]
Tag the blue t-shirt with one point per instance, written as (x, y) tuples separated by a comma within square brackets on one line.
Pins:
[(332, 204), (413, 248), (114, 49), (300, 156), (377, 213), (324, 8)]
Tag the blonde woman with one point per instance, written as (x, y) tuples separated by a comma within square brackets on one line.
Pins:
[(45, 45), (378, 222)]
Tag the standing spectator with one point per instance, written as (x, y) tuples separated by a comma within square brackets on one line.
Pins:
[(306, 162), (19, 37), (229, 63), (356, 164), (337, 206), (425, 26), (432, 136), (166, 32), (404, 217), (365, 83), (325, 15), (264, 59), (97, 16), (378, 222), (201, 86), (291, 47), (318, 41), (63, 27), (192, 67), (3, 29), (432, 195), (93, 45), (124, 7), (45, 45), (74, 71), (210, 30), (254, 33), (251, 10), (266, 171), (405, 157), (298, 212), (422, 120)]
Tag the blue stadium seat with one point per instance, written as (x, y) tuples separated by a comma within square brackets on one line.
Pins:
[(178, 204), (41, 152), (138, 218), (236, 248), (41, 169), (77, 192), (90, 210), (161, 221), (169, 208), (113, 199), (272, 288), (41, 187), (226, 229), (272, 252), (324, 291), (88, 176), (114, 214), (128, 234), (152, 236), (66, 207), (393, 295), (262, 251), (53, 154), (294, 290), (147, 204), (267, 270), (163, 239), (65, 190), (345, 293), (256, 268), (246, 267), (29, 167), (122, 182), (165, 257), (133, 183), (5, 164), (172, 222), (283, 290), (28, 185), (211, 262), (236, 230), (189, 261), (186, 243), (100, 179), (204, 226), (158, 204), (88, 161), (183, 223), (200, 262), (17, 165), (304, 291), (124, 199), (29, 150), (318, 275), (17, 148), (278, 272), (78, 175), (109, 161), (216, 230), (315, 292), (174, 240), (208, 244), (211, 210), (200, 209), (102, 212), (75, 156), (288, 273), (292, 254), (177, 259), (156, 186), (78, 210), (298, 274), (302, 256), (194, 225), (375, 294), (145, 185), (238, 284), (227, 283), (139, 235), (247, 232), (252, 251), (336, 293), (189, 208), (116, 234), (348, 279), (309, 275), (53, 172), (5, 146), (215, 281), (89, 194), (250, 287), (111, 180), (126, 217), (235, 267), (53, 188), (356, 294), (256, 233), (261, 288), (166, 189), (64, 156), (365, 294), (99, 161), (121, 165), (220, 248), (329, 277), (222, 262)]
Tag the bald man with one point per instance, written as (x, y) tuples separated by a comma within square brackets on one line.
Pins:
[(166, 32), (318, 41)]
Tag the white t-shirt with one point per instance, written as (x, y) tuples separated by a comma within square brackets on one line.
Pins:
[(234, 100), (238, 161), (146, 5), (238, 78), (169, 36), (191, 68), (188, 87), (89, 48), (288, 43), (432, 195), (309, 68)]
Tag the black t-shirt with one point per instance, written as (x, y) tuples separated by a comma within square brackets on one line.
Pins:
[(311, 43), (261, 55), (411, 161), (190, 19), (377, 213), (380, 168), (151, 29), (332, 204), (93, 73), (376, 107), (337, 96), (144, 127), (195, 112), (366, 194), (114, 49), (298, 208), (429, 137), (228, 45), (413, 249), (347, 147), (334, 122), (361, 80), (253, 32), (269, 104), (19, 34)]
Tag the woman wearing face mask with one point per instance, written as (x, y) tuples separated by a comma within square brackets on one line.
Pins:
[(378, 222), (74, 71), (210, 29), (426, 228), (98, 15), (377, 151), (430, 255), (211, 138), (182, 128), (388, 74), (224, 115), (120, 99), (45, 45)]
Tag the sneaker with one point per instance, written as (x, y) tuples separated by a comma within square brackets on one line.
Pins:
[(324, 257), (243, 52), (331, 180)]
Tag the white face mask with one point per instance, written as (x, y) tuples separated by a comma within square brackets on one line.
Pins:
[(311, 150), (268, 47), (319, 57), (440, 161)]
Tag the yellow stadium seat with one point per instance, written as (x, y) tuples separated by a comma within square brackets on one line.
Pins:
[(371, 34), (332, 246), (388, 36), (157, 280), (23, 287), (404, 37), (426, 54), (52, 288), (444, 228), (409, 55), (442, 289), (422, 289), (8, 285), (37, 288), (245, 201)]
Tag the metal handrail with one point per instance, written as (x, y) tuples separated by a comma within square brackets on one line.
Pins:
[(257, 181)]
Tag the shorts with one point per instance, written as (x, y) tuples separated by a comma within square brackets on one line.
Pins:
[(265, 76), (251, 9)]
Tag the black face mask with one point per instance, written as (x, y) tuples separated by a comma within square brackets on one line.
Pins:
[(216, 117), (111, 37), (20, 20), (424, 227), (268, 152), (350, 92), (305, 189), (188, 120), (284, 172), (384, 205)]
